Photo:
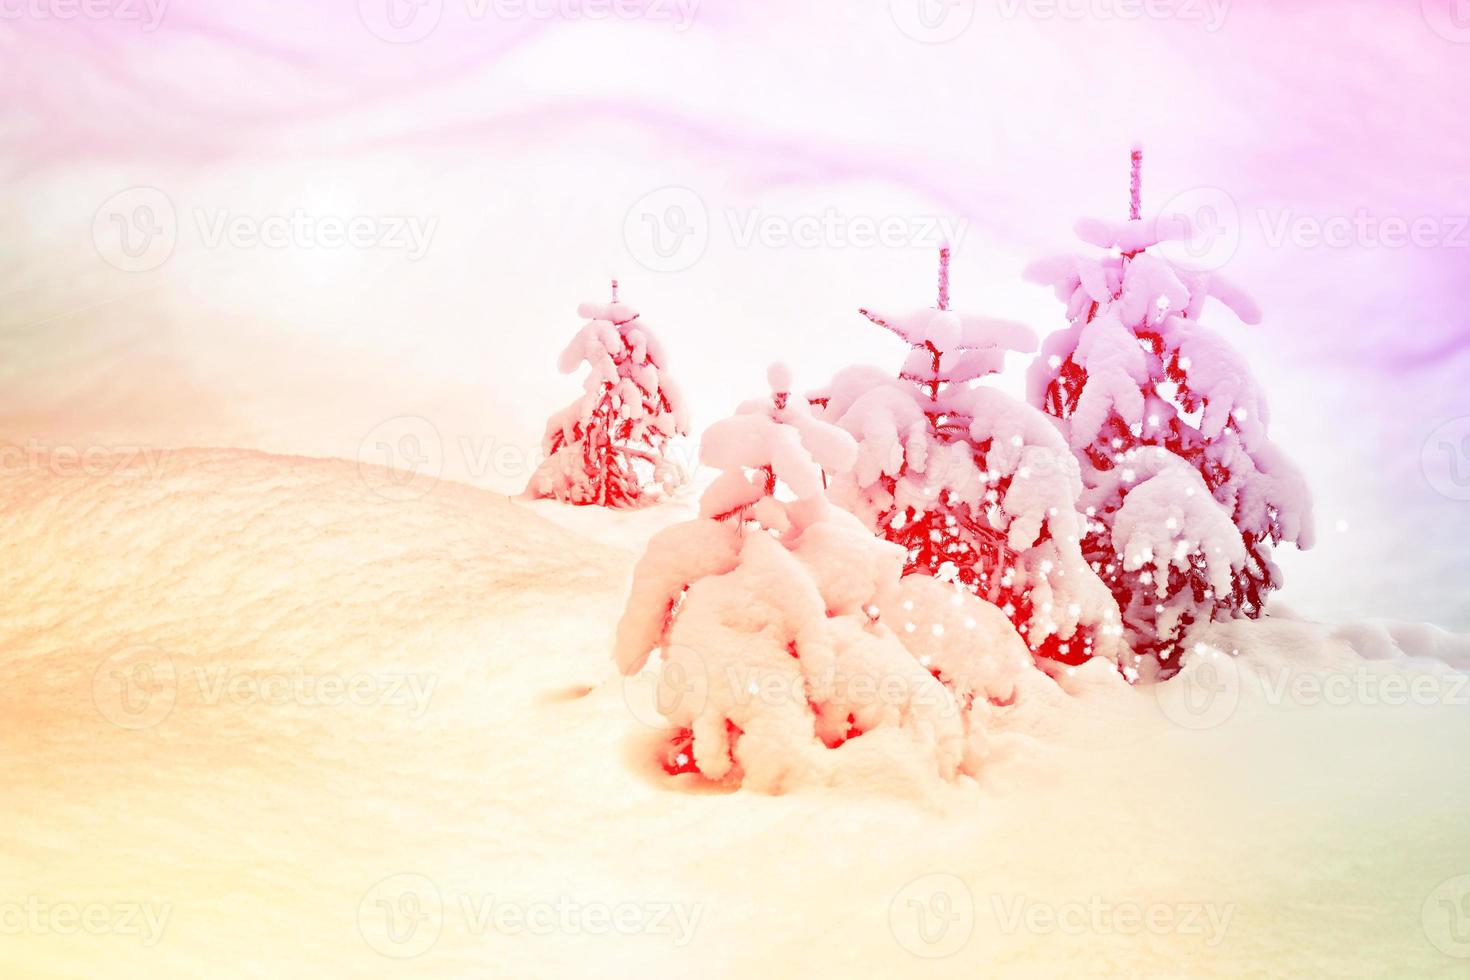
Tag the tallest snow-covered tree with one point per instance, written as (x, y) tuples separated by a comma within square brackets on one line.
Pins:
[(1185, 492)]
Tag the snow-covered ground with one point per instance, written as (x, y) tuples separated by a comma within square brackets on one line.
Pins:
[(272, 716)]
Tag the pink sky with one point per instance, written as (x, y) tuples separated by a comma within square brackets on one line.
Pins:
[(525, 133)]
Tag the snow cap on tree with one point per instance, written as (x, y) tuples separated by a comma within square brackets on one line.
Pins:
[(610, 447), (1135, 369), (772, 613)]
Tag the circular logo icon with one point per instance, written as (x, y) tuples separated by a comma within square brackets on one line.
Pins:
[(932, 21), (135, 688), (1445, 459), (136, 230), (1199, 229), (1446, 917), (1450, 19), (401, 458), (400, 21), (1204, 694), (401, 916), (933, 916), (678, 687), (667, 230)]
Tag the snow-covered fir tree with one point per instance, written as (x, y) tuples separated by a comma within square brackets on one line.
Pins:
[(976, 486), (611, 446), (787, 640), (1167, 422)]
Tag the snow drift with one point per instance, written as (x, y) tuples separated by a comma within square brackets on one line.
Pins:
[(318, 732)]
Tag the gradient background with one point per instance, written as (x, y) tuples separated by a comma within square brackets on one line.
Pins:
[(542, 143)]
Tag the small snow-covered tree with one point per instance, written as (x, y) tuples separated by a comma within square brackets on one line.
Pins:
[(1135, 378), (772, 615), (976, 486), (610, 447)]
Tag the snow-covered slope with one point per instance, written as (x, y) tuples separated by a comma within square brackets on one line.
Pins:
[(263, 720)]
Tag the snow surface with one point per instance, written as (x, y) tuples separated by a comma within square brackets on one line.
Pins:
[(271, 828)]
